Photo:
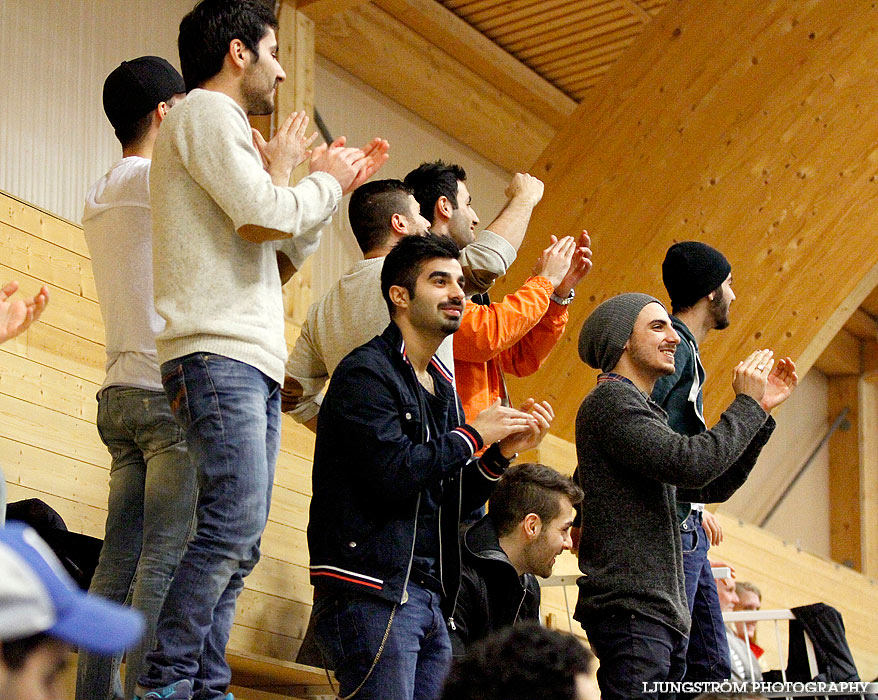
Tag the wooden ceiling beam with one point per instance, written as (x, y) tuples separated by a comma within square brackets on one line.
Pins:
[(322, 9), (844, 473), (862, 324), (843, 356), (388, 56), (478, 53)]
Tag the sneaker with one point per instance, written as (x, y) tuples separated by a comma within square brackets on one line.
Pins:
[(181, 690)]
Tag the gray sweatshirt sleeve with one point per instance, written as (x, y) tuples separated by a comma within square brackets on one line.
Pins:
[(634, 434), (724, 486), (231, 172), (484, 260)]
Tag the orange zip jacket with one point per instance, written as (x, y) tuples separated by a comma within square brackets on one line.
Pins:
[(514, 335)]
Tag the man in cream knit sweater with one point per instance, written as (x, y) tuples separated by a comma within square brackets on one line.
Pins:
[(222, 210)]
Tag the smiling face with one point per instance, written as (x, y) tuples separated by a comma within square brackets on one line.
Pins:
[(653, 342), (463, 221), (438, 302), (262, 75), (554, 538)]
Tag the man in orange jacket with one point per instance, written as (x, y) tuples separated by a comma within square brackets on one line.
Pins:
[(517, 334)]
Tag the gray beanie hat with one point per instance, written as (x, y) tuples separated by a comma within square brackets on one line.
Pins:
[(605, 332)]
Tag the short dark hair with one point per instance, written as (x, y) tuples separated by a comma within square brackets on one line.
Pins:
[(207, 31), (14, 652), (519, 663), (403, 264), (429, 181), (134, 132), (530, 488), (371, 207)]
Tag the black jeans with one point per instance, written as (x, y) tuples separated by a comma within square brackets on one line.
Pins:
[(635, 652)]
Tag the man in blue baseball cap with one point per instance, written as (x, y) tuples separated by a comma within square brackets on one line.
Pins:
[(43, 615)]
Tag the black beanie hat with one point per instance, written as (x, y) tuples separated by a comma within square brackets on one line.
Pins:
[(136, 87), (692, 270)]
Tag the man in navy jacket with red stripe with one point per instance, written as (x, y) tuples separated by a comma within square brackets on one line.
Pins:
[(394, 469)]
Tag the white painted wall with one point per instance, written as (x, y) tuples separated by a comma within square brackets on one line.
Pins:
[(54, 138), (803, 517)]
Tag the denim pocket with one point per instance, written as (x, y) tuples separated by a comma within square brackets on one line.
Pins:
[(689, 540), (174, 381)]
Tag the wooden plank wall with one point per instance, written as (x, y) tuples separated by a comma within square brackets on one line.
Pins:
[(49, 446), (741, 123)]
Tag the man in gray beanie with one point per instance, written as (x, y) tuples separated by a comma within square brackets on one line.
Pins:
[(698, 279), (632, 602)]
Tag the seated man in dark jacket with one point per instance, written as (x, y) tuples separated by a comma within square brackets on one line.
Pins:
[(393, 471), (528, 526)]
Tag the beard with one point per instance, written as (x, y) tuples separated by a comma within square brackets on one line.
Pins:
[(258, 98), (719, 310)]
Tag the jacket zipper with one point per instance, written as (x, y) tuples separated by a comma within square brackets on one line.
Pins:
[(408, 571), (452, 625), (520, 603), (425, 437)]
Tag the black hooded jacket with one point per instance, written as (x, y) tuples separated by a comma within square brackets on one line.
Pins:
[(492, 595)]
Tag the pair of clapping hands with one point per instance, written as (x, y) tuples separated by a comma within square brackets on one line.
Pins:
[(290, 147), (516, 430), (768, 383)]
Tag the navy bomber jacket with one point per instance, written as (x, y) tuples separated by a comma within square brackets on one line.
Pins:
[(373, 459)]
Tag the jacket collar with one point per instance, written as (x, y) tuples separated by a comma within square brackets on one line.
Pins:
[(683, 330), (482, 541), (393, 336)]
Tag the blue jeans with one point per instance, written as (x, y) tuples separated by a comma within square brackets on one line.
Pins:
[(230, 412), (634, 650), (416, 657), (707, 658), (150, 514)]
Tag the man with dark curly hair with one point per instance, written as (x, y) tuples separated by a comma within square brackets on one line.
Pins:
[(522, 663)]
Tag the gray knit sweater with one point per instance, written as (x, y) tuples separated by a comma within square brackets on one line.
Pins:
[(629, 465)]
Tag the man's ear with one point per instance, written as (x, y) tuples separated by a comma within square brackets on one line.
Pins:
[(399, 223), (531, 526), (237, 53), (399, 296), (161, 111), (443, 207)]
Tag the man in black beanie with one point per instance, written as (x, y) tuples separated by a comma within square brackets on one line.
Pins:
[(699, 282), (632, 602)]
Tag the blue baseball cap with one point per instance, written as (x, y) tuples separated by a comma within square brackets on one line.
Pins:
[(38, 595)]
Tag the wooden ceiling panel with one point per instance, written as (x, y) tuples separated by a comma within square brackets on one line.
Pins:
[(550, 13), (562, 63), (531, 41), (570, 44)]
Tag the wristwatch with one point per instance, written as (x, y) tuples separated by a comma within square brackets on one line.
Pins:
[(563, 302)]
